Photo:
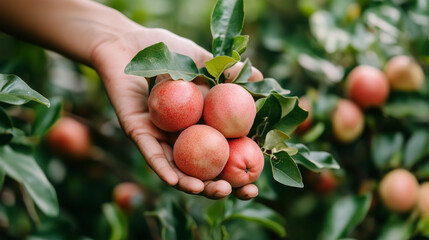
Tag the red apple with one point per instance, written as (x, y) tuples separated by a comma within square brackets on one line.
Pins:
[(201, 151), (175, 105), (423, 202), (367, 86), (305, 104), (245, 162), (128, 196), (347, 121), (404, 74)]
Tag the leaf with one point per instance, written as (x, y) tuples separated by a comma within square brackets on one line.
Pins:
[(176, 224), (314, 133), (267, 114), (217, 65), (264, 88), (245, 72), (215, 214), (226, 23), (24, 169), (345, 215), (313, 160), (46, 118), (6, 127), (275, 142), (384, 147), (423, 226), (260, 214), (117, 221), (423, 170), (2, 176), (416, 148), (406, 105), (291, 119), (321, 69), (240, 43), (157, 59), (285, 170), (14, 90), (396, 229)]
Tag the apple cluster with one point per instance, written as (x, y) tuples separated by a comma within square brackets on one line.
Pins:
[(212, 140), (368, 87)]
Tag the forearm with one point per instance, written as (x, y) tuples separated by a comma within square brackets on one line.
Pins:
[(73, 28)]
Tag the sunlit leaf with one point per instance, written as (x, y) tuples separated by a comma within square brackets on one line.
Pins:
[(423, 226), (217, 65), (345, 215), (396, 229), (24, 169), (158, 59), (117, 221), (239, 43), (264, 88), (285, 170), (226, 23), (14, 90), (275, 142)]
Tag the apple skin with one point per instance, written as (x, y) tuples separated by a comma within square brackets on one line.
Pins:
[(70, 138), (305, 104), (322, 183), (347, 121), (230, 109), (175, 105), (128, 196), (404, 74), (399, 190), (367, 86), (201, 151), (245, 162), (423, 202)]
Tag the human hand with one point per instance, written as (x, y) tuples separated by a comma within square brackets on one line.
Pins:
[(129, 94)]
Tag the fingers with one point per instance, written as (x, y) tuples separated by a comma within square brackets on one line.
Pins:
[(246, 192), (233, 72), (216, 189)]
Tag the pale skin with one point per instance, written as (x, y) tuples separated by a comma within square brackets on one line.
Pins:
[(106, 40)]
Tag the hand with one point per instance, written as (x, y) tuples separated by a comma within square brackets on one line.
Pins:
[(129, 94)]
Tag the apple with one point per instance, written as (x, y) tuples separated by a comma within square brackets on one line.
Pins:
[(230, 109), (69, 137), (399, 190), (128, 196), (404, 74), (323, 182), (201, 151), (423, 202), (245, 162), (367, 86), (175, 105), (347, 121)]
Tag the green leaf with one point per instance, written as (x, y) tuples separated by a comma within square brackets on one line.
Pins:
[(260, 214), (275, 142), (117, 221), (313, 160), (215, 214), (14, 90), (267, 114), (217, 65), (345, 215), (157, 59), (6, 127), (406, 105), (240, 43), (396, 229), (285, 170), (423, 170), (226, 23), (291, 117), (423, 226), (314, 133), (24, 169), (384, 147), (2, 176), (46, 118), (416, 148), (176, 223), (245, 72), (264, 88)]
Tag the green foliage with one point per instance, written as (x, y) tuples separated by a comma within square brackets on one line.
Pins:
[(14, 90), (117, 220)]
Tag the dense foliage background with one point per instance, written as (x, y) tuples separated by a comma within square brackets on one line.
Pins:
[(309, 46)]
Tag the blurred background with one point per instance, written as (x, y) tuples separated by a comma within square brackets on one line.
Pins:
[(310, 47)]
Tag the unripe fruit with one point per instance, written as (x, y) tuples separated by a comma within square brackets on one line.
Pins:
[(201, 151), (423, 202), (175, 105), (230, 109), (404, 74), (128, 196), (70, 138), (399, 190), (347, 121), (367, 86), (245, 162), (305, 104)]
